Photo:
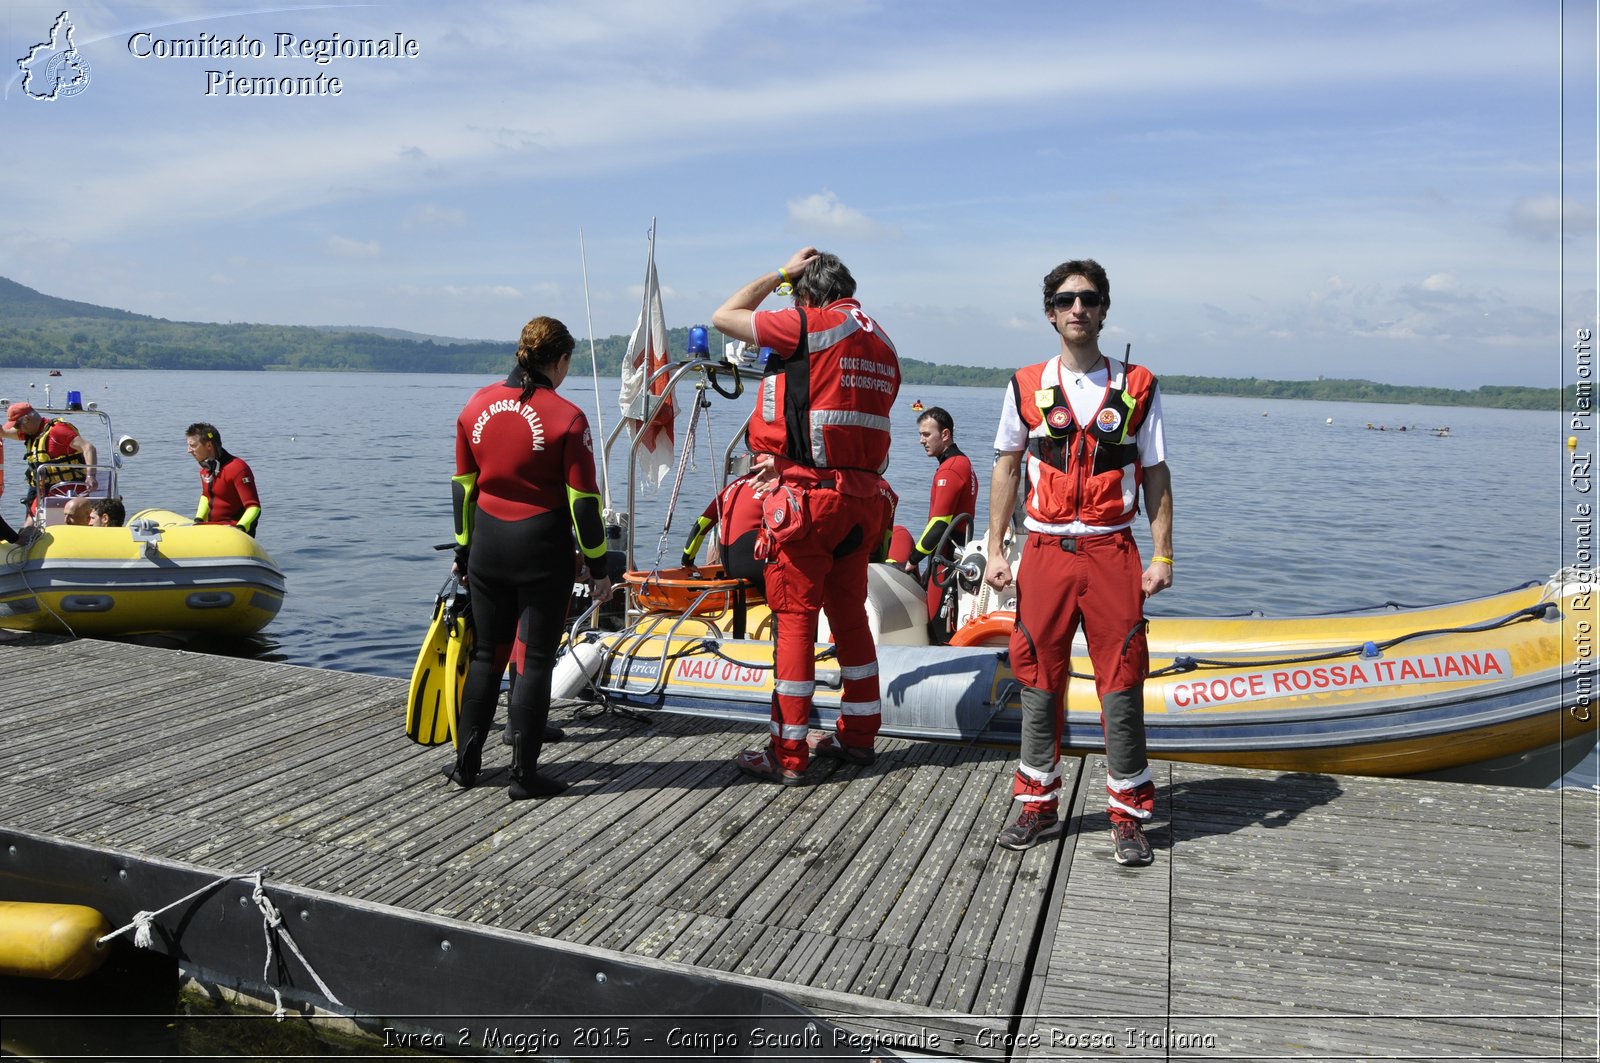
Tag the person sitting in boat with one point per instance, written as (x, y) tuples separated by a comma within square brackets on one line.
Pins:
[(954, 496), (1083, 433), (900, 546), (820, 432), (736, 513), (60, 460), (108, 513), (78, 510), (895, 542), (227, 486)]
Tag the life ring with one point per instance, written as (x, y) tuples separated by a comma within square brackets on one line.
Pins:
[(987, 629)]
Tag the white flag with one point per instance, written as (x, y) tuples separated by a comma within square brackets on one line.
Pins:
[(647, 352)]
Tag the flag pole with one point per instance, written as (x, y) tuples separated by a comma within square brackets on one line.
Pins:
[(594, 369), (650, 266)]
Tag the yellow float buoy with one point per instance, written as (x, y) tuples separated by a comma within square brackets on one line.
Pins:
[(1572, 442), (57, 941)]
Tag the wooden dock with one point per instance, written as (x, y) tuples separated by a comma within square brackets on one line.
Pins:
[(1286, 916)]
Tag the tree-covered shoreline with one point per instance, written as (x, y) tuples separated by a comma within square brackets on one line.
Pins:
[(41, 330)]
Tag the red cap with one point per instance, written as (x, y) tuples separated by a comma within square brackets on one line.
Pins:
[(16, 412)]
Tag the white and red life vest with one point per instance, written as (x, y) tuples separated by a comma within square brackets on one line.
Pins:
[(1085, 473)]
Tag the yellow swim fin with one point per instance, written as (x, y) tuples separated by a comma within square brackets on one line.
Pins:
[(434, 694), (461, 636)]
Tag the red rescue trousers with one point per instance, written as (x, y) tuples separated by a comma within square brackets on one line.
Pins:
[(824, 568), (1095, 581)]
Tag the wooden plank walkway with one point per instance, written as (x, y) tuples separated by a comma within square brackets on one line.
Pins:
[(1287, 916), (1311, 916), (868, 891)]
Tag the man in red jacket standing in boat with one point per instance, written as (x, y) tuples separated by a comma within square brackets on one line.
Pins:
[(820, 436), (227, 486), (1088, 430), (61, 462), (953, 499)]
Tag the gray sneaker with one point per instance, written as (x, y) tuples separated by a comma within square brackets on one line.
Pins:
[(1032, 827), (828, 746), (1133, 848)]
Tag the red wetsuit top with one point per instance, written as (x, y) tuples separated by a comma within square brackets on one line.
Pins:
[(955, 492), (228, 492), (518, 459)]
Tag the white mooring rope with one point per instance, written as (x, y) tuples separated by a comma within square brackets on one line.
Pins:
[(271, 920)]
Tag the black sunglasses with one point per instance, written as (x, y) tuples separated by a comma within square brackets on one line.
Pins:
[(1064, 300)]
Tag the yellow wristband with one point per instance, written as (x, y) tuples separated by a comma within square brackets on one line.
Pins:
[(783, 276), (1164, 560)]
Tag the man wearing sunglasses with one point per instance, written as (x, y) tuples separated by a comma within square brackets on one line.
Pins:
[(1087, 431)]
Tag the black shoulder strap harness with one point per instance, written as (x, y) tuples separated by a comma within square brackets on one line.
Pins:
[(1115, 445), (797, 399)]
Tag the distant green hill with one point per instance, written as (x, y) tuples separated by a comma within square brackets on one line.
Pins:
[(21, 305), (1326, 390), (42, 330)]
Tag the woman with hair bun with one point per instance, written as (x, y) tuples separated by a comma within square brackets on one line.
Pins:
[(524, 482)]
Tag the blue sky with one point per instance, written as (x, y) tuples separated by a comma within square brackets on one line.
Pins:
[(1277, 188)]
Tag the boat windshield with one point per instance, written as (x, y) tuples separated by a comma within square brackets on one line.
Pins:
[(100, 481)]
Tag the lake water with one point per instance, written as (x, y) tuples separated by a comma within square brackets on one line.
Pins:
[(1280, 506)]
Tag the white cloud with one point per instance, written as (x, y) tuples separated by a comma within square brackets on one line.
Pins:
[(1157, 136), (1172, 160), (481, 291), (23, 251), (1332, 288), (433, 216), (668, 294), (1545, 217), (565, 117), (345, 247), (821, 213)]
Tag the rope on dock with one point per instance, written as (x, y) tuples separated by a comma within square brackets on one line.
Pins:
[(142, 920), (271, 921)]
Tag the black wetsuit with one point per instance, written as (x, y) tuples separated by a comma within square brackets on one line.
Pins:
[(525, 480)]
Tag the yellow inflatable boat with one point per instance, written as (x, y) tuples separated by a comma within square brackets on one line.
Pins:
[(160, 573), (1387, 691)]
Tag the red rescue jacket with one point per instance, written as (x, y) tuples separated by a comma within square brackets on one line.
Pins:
[(825, 402)]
